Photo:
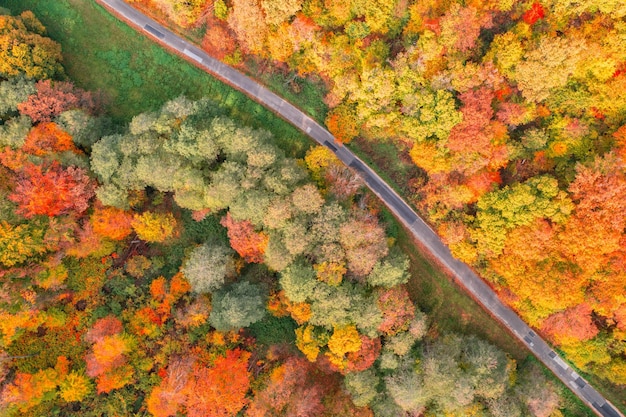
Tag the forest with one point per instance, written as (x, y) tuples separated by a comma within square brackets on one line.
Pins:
[(502, 121), (184, 264)]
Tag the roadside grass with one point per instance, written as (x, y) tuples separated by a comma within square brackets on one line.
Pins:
[(136, 75), (305, 93)]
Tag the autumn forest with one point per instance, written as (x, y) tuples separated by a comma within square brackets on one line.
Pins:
[(185, 260)]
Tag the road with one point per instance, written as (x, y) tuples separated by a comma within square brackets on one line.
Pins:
[(420, 230)]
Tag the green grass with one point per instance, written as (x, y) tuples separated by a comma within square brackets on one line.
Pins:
[(136, 75)]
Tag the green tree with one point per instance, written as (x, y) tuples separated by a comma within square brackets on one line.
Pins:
[(207, 267), (390, 271), (237, 306), (362, 386)]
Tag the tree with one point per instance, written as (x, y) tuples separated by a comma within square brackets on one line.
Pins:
[(75, 387), (572, 325), (12, 92), (307, 199), (460, 26), (364, 243), (543, 402), (362, 386), (207, 267), (397, 309), (154, 227), (548, 66), (535, 13), (519, 205), (24, 49), (248, 243), (111, 222), (219, 390), (55, 97), (52, 190), (278, 11), (390, 271), (237, 306), (48, 138), (19, 243), (342, 122), (218, 41), (294, 388), (345, 339), (298, 281), (248, 22)]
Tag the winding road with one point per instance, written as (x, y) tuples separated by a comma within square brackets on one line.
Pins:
[(419, 229)]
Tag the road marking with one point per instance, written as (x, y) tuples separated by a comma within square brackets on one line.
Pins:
[(192, 55), (154, 31), (560, 362)]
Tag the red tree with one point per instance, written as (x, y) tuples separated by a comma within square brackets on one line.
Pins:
[(106, 326), (365, 357), (533, 14), (250, 245), (52, 190), (571, 325), (397, 309), (293, 390), (55, 97)]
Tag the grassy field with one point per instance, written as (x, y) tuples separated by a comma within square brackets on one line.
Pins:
[(134, 74)]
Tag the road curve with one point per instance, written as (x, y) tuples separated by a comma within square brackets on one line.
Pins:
[(419, 229)]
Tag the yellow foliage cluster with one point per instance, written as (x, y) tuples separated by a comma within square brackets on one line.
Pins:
[(75, 387), (330, 272), (307, 342), (154, 227), (345, 339)]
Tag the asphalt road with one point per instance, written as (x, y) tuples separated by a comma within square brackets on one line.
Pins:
[(420, 230)]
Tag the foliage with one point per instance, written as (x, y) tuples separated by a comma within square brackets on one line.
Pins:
[(154, 227), (237, 306), (52, 190), (207, 267), (24, 49)]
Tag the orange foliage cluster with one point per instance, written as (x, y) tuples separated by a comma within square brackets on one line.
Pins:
[(47, 138), (215, 391), (107, 360), (52, 190), (111, 222), (250, 245)]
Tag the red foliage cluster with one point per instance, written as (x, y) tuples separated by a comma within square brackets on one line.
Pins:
[(533, 14), (106, 326), (365, 357), (573, 324), (397, 309), (293, 390), (55, 97), (52, 190), (218, 41), (250, 245)]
